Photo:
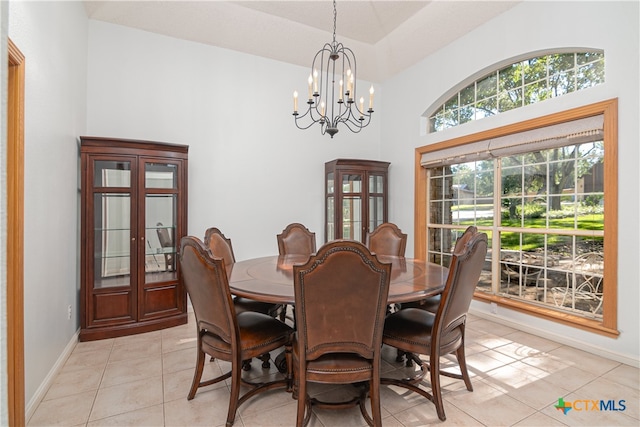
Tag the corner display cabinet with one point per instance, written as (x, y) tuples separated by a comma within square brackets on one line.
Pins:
[(355, 198), (134, 212)]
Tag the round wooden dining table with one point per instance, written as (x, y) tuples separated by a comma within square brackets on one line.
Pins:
[(270, 279)]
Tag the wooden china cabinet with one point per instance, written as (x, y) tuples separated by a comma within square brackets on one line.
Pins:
[(356, 197), (134, 212)]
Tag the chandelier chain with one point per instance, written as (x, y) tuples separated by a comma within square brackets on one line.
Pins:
[(335, 19)]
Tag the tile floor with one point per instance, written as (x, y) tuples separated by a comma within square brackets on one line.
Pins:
[(143, 380)]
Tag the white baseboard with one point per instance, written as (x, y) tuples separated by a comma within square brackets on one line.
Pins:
[(562, 339), (33, 403)]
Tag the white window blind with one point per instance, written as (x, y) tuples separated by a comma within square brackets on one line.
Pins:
[(567, 133)]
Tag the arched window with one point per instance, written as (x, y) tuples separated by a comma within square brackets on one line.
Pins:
[(522, 83)]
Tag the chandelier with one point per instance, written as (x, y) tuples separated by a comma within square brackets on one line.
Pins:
[(332, 91)]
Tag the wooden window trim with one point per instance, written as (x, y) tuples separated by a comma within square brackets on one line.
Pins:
[(609, 109)]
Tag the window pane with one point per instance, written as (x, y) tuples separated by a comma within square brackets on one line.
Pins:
[(511, 77), (467, 95), (486, 107), (535, 69), (487, 87)]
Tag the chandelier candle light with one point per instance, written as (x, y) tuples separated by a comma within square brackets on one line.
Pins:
[(332, 91)]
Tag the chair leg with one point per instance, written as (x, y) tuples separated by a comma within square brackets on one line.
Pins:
[(236, 374), (302, 402), (434, 368), (288, 354), (197, 374), (462, 363), (374, 394), (265, 360)]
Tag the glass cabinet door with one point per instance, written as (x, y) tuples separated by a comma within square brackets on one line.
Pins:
[(112, 222), (352, 206), (331, 207), (376, 201), (161, 204)]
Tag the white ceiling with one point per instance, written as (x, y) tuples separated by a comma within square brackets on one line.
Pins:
[(386, 36)]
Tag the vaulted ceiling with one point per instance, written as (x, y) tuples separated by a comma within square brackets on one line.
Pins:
[(386, 36)]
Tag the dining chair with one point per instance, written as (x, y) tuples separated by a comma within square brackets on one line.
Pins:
[(417, 331), (340, 297), (296, 239), (387, 239), (221, 247), (223, 333), (432, 303)]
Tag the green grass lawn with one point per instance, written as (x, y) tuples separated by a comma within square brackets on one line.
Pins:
[(532, 241)]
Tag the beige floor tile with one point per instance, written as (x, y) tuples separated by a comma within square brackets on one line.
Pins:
[(124, 371), (481, 363), (426, 415), (118, 399), (582, 360), (205, 409), (102, 345), (178, 342), (151, 416), (569, 378), (539, 420), (536, 392), (179, 360), (487, 326), (518, 351), (74, 381), (397, 399), (488, 405), (147, 336), (96, 359), (532, 341), (127, 350), (490, 341), (64, 411), (281, 416), (626, 375)]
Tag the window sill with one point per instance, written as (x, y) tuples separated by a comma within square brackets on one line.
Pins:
[(590, 325)]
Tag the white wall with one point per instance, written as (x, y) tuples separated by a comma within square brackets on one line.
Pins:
[(251, 171), (53, 39), (527, 28)]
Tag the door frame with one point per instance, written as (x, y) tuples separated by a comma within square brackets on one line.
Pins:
[(15, 235)]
